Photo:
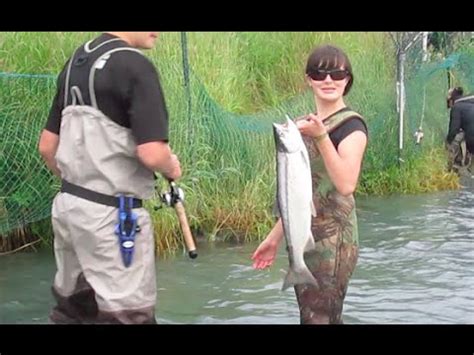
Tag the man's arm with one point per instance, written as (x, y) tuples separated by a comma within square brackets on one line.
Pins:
[(157, 156), (48, 145), (49, 139)]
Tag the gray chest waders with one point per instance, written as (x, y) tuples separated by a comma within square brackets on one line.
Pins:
[(127, 226)]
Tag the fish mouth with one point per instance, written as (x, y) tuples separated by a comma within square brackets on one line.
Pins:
[(284, 126)]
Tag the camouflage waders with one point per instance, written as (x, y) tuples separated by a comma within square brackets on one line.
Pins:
[(336, 236)]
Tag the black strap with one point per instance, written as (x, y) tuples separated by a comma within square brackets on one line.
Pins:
[(95, 196)]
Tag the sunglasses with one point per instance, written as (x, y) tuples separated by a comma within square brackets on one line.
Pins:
[(335, 74)]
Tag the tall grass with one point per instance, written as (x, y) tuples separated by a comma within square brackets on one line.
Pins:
[(419, 174), (229, 177)]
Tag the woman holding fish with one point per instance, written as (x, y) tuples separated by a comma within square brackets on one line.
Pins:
[(335, 139)]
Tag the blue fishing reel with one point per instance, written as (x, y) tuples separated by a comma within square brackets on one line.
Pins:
[(126, 230)]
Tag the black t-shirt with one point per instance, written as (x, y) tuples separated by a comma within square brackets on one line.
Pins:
[(349, 126), (462, 117), (127, 89)]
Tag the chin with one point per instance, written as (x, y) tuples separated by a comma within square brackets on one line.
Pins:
[(147, 44), (330, 98)]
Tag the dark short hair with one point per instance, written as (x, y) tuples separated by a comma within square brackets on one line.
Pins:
[(455, 93), (330, 57)]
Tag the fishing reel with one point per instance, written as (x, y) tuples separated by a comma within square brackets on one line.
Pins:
[(169, 198), (175, 194)]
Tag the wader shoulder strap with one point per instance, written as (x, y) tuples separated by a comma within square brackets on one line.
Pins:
[(339, 118), (68, 74), (99, 64)]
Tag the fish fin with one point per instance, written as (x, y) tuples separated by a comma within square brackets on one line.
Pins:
[(302, 277), (310, 244)]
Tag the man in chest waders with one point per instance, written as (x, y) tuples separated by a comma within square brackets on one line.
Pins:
[(106, 135)]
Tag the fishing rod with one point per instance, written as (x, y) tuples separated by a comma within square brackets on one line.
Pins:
[(175, 198)]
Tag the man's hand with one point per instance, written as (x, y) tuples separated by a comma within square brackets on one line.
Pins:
[(174, 172)]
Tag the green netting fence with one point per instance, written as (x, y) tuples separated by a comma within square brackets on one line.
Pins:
[(216, 147)]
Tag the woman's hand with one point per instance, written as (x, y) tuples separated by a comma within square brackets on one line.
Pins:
[(265, 254), (312, 126)]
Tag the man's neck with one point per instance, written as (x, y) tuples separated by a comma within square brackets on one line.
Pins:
[(122, 35)]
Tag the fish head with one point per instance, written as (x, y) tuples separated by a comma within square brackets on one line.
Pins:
[(287, 136)]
